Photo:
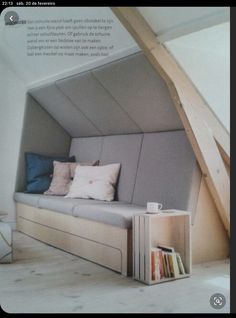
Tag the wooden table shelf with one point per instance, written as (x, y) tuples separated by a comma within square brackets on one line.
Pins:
[(167, 228)]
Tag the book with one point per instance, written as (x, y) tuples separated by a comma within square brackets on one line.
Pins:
[(164, 265), (155, 264), (168, 273), (174, 268), (171, 266), (166, 248), (180, 264), (161, 263)]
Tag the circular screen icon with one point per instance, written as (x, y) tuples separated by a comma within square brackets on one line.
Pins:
[(217, 301), (11, 17)]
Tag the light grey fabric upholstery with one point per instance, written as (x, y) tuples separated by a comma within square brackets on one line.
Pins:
[(50, 202), (123, 97), (64, 111), (86, 149), (41, 134), (123, 149), (95, 102), (58, 204), (27, 198), (166, 170), (142, 93), (113, 213)]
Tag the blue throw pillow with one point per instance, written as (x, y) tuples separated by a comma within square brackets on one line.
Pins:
[(39, 170)]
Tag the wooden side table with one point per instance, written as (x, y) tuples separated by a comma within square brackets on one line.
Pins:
[(5, 241), (171, 229)]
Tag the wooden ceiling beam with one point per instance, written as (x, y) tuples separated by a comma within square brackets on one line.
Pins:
[(203, 129)]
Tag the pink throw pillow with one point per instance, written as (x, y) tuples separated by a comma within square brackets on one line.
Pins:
[(63, 174)]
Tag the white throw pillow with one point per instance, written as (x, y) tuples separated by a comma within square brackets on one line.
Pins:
[(94, 182)]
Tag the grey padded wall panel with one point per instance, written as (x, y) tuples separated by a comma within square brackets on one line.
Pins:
[(96, 103), (166, 169), (86, 149), (123, 149), (142, 93), (41, 134), (67, 115), (123, 97)]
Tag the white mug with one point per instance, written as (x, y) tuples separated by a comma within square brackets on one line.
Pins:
[(154, 207)]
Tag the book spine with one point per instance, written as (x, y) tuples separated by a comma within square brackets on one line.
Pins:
[(171, 265), (180, 264), (158, 276), (175, 265), (153, 265), (161, 264)]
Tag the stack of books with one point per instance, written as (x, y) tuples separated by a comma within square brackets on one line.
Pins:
[(165, 263)]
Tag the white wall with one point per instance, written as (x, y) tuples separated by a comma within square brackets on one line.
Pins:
[(205, 57), (12, 102)]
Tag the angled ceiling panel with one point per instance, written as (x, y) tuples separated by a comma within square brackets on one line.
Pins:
[(63, 111), (172, 22), (97, 104), (142, 93)]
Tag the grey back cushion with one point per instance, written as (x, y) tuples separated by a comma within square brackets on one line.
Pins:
[(64, 111), (158, 167), (167, 170), (123, 149), (86, 149), (141, 92)]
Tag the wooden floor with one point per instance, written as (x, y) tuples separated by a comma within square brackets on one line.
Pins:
[(44, 279)]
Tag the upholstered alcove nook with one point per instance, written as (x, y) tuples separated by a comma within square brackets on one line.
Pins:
[(118, 112)]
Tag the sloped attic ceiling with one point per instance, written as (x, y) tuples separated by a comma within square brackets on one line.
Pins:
[(167, 22), (172, 22), (126, 96), (199, 40), (164, 20)]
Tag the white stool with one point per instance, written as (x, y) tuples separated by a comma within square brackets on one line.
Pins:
[(5, 241)]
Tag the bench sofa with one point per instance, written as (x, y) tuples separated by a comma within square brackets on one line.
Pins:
[(118, 112), (157, 167)]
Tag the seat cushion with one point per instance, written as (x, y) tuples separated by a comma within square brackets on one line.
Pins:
[(28, 198), (113, 213), (54, 203), (57, 204)]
